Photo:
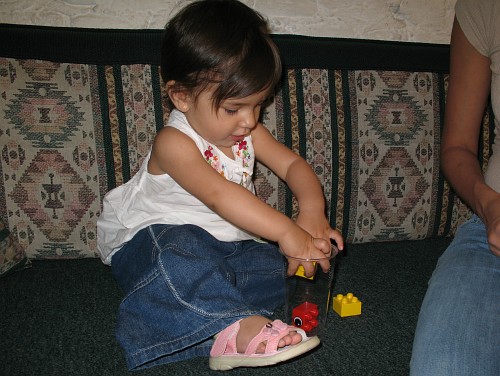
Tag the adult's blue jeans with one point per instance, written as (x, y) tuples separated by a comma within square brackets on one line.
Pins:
[(182, 286), (458, 330)]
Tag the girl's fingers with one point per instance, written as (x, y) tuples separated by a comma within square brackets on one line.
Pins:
[(292, 266), (336, 236), (327, 250)]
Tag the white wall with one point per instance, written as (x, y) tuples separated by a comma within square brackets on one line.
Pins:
[(401, 20)]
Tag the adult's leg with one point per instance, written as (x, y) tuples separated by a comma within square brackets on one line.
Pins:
[(458, 330)]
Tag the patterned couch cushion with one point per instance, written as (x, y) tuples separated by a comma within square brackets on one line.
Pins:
[(76, 123), (373, 137), (12, 255)]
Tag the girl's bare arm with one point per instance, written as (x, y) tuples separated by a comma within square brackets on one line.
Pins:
[(176, 154)]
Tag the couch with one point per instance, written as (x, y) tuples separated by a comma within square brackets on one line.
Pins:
[(78, 111)]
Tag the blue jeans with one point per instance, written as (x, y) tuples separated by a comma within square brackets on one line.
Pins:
[(458, 330), (182, 286)]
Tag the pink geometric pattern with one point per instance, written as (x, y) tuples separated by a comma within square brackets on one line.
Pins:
[(71, 132), (50, 175), (396, 125), (52, 195)]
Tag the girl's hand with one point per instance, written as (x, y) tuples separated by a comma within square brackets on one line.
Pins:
[(299, 245), (317, 225)]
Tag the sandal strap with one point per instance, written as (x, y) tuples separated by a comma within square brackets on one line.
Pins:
[(225, 341), (271, 333)]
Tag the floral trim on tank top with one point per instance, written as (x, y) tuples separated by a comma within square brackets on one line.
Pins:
[(243, 153), (214, 160), (240, 150)]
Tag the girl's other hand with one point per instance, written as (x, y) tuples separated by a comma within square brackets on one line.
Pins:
[(313, 249), (317, 225)]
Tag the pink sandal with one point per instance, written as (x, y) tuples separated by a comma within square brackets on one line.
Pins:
[(224, 355)]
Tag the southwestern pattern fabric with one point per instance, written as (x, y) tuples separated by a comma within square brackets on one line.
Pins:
[(373, 138), (71, 132), (12, 255)]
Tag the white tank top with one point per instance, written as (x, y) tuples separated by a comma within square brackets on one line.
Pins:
[(149, 199)]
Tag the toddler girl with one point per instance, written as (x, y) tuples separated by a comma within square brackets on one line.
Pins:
[(183, 236)]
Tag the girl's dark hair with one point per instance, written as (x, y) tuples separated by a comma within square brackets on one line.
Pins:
[(223, 42)]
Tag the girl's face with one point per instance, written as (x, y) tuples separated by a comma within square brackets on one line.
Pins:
[(228, 124)]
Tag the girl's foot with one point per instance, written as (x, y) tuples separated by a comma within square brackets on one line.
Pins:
[(256, 342), (251, 326)]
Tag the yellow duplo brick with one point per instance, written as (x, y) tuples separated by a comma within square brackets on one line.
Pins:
[(301, 272), (347, 305)]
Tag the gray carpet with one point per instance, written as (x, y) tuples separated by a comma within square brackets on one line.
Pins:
[(57, 318)]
